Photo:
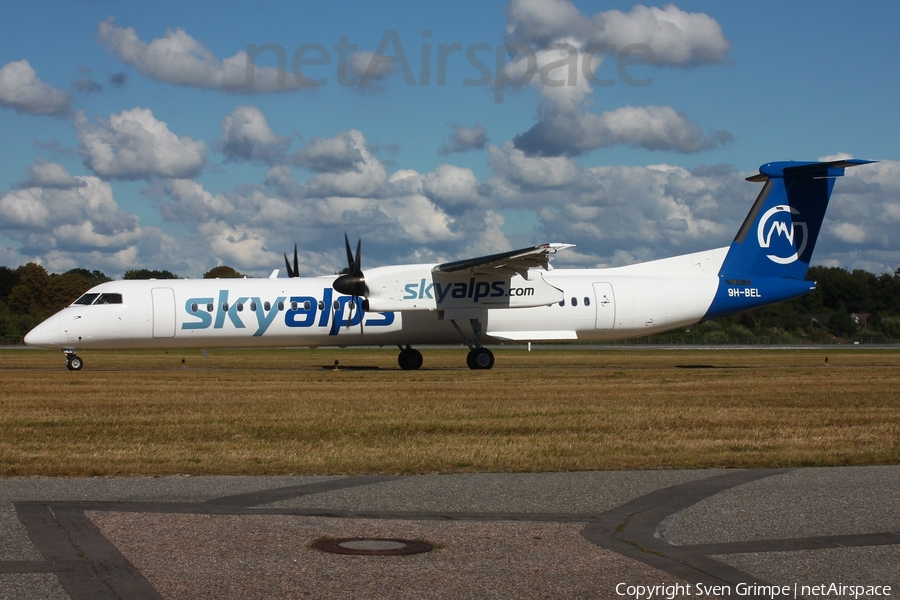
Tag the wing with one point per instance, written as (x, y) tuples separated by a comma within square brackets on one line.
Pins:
[(512, 262)]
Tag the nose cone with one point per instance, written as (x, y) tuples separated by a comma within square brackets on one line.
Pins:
[(45, 335)]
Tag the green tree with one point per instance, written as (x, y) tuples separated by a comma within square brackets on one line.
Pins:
[(222, 272), (841, 320), (148, 274), (9, 278), (21, 300), (65, 289), (96, 277)]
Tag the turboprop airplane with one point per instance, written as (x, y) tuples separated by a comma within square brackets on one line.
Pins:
[(508, 297)]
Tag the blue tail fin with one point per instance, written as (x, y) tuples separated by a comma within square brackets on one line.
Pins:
[(770, 255)]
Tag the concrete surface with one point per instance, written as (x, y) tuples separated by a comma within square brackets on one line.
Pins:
[(692, 534)]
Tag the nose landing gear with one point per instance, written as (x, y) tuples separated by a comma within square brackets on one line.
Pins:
[(73, 362)]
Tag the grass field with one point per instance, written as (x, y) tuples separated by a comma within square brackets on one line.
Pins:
[(553, 409)]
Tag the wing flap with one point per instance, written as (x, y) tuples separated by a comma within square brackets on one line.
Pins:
[(514, 261)]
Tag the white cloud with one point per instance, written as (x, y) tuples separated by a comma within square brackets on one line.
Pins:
[(85, 235), (79, 225), (193, 204), (24, 208), (452, 185), (534, 172), (577, 131), (246, 136), (49, 174), (348, 167), (343, 152), (553, 40), (848, 232), (678, 38), (135, 145), (21, 90), (239, 245), (365, 69), (179, 59), (465, 139)]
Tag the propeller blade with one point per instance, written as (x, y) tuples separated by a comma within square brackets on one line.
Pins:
[(350, 263), (295, 272)]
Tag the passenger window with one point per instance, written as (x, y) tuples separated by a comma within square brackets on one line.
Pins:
[(321, 305), (253, 306), (307, 305), (225, 306), (587, 301), (562, 302), (240, 306), (280, 305), (209, 307), (267, 306), (293, 306), (194, 307), (86, 299), (574, 301)]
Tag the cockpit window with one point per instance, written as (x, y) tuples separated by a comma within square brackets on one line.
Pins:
[(88, 299)]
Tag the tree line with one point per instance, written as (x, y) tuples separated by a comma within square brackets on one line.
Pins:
[(845, 305)]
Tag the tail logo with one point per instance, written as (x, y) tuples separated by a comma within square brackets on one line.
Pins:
[(783, 224)]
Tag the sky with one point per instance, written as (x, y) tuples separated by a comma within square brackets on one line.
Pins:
[(187, 135)]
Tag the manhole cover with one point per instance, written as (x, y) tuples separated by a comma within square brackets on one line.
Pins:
[(373, 546)]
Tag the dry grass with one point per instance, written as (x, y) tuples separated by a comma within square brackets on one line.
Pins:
[(278, 411)]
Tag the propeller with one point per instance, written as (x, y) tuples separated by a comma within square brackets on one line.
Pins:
[(295, 272), (353, 282)]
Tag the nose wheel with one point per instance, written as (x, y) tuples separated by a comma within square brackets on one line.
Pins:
[(74, 362)]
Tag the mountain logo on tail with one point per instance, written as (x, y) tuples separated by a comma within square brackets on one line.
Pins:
[(779, 223)]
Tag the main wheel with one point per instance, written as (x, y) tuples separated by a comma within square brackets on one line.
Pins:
[(480, 358), (410, 359), (74, 363)]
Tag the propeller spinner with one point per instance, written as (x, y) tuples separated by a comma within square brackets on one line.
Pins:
[(352, 283)]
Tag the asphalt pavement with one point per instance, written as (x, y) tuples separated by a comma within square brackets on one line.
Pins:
[(756, 533)]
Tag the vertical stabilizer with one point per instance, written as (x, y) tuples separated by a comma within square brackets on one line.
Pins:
[(770, 255)]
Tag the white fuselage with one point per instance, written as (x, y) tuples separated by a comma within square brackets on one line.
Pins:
[(586, 304)]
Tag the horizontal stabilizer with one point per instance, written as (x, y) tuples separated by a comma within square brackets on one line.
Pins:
[(834, 168)]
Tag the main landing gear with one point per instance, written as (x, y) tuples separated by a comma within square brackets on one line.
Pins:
[(479, 357), (73, 362), (410, 359)]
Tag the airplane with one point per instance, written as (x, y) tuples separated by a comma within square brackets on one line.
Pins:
[(514, 296)]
